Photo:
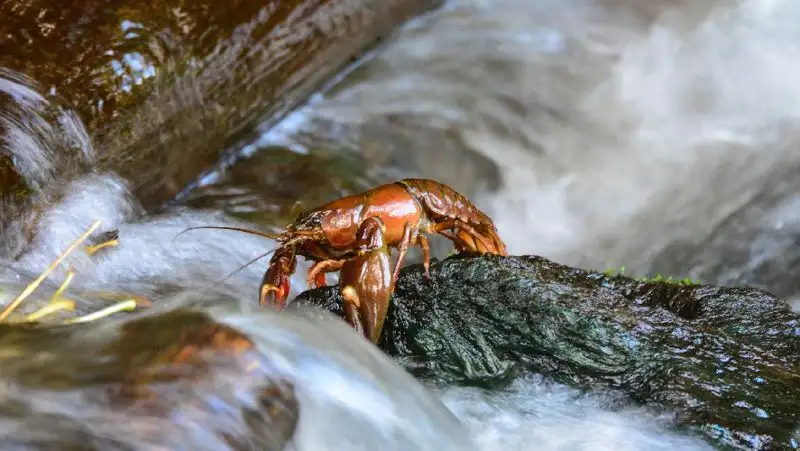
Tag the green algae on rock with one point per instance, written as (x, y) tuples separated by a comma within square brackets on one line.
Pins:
[(724, 361)]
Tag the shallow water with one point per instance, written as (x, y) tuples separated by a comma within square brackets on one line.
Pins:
[(622, 127), (615, 138), (531, 415)]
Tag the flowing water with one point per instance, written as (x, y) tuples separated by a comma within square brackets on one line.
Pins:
[(619, 127)]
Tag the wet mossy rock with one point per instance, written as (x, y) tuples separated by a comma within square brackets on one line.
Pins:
[(725, 361)]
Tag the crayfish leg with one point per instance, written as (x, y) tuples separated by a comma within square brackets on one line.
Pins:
[(405, 242), (426, 255), (498, 243), (466, 237), (478, 241), (458, 242), (316, 275), (320, 280)]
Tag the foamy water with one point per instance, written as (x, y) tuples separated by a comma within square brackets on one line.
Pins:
[(533, 416), (615, 138), (352, 396)]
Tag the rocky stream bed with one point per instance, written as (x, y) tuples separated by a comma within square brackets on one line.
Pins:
[(161, 96), (722, 362)]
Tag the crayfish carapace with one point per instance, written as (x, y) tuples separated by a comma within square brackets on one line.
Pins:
[(354, 235)]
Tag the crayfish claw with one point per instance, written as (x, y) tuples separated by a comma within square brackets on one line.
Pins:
[(366, 281), (352, 309), (273, 295), (350, 295), (275, 285)]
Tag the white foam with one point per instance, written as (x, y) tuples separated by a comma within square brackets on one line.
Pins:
[(531, 416), (352, 397), (151, 254), (615, 137)]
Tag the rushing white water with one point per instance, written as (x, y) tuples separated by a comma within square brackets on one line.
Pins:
[(533, 416), (351, 396), (615, 135), (374, 403)]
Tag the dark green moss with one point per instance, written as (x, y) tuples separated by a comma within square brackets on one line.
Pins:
[(659, 278)]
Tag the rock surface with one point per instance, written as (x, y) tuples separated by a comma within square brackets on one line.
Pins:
[(179, 380), (724, 361), (164, 88)]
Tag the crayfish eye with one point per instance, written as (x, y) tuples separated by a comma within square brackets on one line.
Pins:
[(308, 220), (314, 221)]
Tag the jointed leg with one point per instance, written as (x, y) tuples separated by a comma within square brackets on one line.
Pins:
[(426, 254), (472, 232), (470, 242), (316, 275), (477, 236), (444, 229), (403, 248), (499, 245), (458, 241)]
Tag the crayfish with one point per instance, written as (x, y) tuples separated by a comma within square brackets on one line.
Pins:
[(354, 235)]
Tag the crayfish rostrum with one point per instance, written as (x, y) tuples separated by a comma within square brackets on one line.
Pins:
[(355, 235)]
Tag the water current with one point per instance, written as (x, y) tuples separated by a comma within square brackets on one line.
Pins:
[(619, 127)]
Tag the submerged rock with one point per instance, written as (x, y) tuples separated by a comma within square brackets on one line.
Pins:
[(179, 380), (724, 361)]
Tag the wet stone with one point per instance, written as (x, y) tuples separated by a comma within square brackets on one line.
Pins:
[(725, 362), (165, 88), (178, 380)]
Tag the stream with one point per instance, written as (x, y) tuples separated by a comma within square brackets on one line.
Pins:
[(658, 136)]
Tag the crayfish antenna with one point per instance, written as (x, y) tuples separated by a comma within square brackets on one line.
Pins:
[(273, 236), (250, 262), (290, 242)]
